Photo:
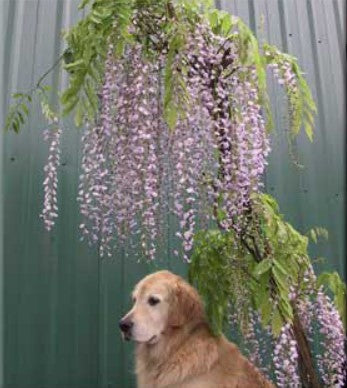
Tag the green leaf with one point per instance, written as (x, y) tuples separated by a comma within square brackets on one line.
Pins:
[(262, 267), (21, 118), (281, 281), (95, 19), (286, 309), (171, 116), (15, 126), (309, 131), (280, 267), (221, 214), (265, 311), (87, 44), (79, 114), (301, 103), (91, 95), (18, 95), (269, 200), (340, 302), (175, 97), (313, 235), (70, 105), (333, 281), (276, 322), (318, 232), (213, 18), (25, 109), (83, 4), (324, 279), (226, 24), (79, 64)]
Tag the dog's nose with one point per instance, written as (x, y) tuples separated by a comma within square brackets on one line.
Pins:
[(125, 325)]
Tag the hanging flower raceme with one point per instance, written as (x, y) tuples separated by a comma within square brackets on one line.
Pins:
[(288, 74), (245, 162), (253, 339), (120, 185), (227, 94), (50, 203), (315, 309), (332, 362), (286, 359), (94, 187), (192, 150)]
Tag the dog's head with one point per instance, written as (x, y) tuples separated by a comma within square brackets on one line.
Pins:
[(161, 301)]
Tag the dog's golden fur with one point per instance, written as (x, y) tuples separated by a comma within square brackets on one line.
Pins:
[(186, 354)]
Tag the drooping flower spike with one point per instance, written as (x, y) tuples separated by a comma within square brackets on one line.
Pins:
[(50, 203)]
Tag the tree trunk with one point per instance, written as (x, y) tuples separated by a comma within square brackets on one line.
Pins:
[(308, 375)]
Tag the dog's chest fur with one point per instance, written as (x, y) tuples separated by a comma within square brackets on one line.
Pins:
[(194, 360)]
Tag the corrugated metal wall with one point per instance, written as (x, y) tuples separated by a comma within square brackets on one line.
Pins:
[(2, 106), (61, 303)]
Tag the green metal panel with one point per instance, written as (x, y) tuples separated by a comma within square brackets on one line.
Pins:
[(2, 108), (62, 303)]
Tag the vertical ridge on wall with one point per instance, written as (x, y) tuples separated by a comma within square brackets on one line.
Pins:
[(3, 29), (62, 302)]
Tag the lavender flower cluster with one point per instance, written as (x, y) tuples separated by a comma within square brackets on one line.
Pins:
[(227, 118), (284, 74), (122, 157), (332, 363), (315, 309), (286, 359), (50, 184), (258, 340)]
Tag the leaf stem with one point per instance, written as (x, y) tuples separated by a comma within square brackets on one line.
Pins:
[(45, 74)]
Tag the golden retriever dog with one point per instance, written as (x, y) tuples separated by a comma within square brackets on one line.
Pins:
[(174, 345)]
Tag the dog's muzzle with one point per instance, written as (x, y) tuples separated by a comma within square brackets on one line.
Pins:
[(126, 325)]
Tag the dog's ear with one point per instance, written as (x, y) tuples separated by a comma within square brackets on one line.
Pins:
[(186, 305)]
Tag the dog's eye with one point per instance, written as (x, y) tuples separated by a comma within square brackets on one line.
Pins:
[(153, 301)]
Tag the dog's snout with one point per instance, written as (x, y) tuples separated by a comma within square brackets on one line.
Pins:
[(125, 325)]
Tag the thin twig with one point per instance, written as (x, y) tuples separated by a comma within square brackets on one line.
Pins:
[(44, 75)]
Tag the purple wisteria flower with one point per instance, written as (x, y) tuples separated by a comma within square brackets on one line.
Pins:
[(120, 184), (251, 340), (332, 362), (50, 204), (316, 309), (286, 359)]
